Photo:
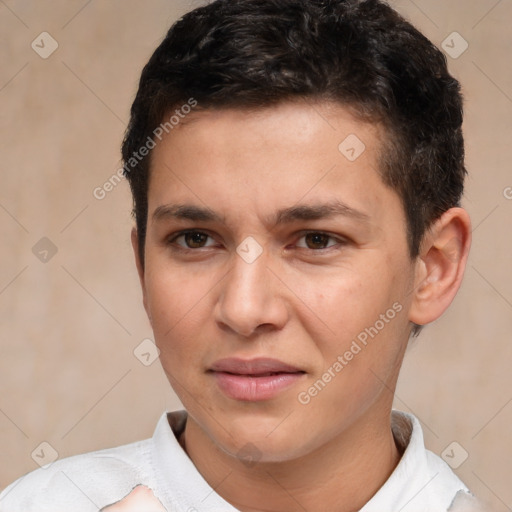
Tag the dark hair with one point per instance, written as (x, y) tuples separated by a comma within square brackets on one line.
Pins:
[(360, 53)]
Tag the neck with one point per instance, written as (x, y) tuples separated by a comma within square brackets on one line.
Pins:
[(342, 475)]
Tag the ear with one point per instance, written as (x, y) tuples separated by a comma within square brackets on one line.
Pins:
[(440, 266), (140, 269)]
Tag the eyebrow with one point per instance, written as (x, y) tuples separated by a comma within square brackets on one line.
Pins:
[(185, 212), (284, 216), (319, 211)]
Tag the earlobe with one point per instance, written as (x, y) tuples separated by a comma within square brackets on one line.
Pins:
[(440, 266)]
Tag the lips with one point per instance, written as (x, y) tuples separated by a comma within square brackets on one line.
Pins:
[(254, 379)]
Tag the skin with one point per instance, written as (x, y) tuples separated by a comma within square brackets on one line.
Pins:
[(141, 499), (302, 301)]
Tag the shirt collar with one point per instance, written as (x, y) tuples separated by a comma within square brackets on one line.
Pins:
[(179, 483), (421, 482)]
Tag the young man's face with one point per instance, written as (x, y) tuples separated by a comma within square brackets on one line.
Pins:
[(296, 347)]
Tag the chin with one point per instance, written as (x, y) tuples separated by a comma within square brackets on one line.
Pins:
[(254, 440)]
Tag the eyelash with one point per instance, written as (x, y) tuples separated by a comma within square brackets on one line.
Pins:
[(173, 238)]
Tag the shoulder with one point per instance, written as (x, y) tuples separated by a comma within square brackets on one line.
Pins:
[(81, 483)]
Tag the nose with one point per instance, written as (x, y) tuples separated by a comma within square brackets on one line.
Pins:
[(251, 299)]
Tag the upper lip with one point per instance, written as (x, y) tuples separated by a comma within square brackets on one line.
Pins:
[(257, 366)]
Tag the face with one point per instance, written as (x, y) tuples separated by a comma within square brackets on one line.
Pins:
[(277, 275)]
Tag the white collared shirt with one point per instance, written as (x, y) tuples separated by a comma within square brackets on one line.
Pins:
[(421, 482)]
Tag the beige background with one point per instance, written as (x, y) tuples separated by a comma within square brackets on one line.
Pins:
[(69, 326)]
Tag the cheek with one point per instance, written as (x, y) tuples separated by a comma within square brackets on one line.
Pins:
[(178, 305), (345, 303), (363, 321)]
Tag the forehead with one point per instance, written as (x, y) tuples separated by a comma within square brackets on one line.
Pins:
[(271, 158), (299, 123)]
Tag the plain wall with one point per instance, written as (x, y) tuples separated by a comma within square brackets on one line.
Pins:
[(69, 325)]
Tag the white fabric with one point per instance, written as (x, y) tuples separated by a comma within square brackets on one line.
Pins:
[(421, 482)]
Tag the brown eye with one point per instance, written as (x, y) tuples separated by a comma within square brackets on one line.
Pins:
[(195, 239), (192, 240), (317, 240)]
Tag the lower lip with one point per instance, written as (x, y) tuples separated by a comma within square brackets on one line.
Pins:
[(254, 389)]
